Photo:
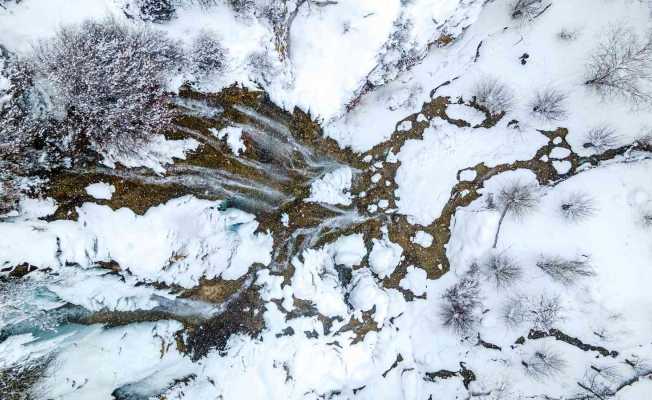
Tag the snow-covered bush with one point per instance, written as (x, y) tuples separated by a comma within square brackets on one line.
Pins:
[(207, 55), (107, 80), (527, 9), (600, 138), (460, 307), (621, 66), (493, 95), (565, 271), (545, 311), (150, 10), (577, 206), (501, 270), (544, 363), (516, 199), (549, 105)]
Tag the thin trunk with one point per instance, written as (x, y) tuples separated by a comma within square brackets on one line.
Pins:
[(500, 223)]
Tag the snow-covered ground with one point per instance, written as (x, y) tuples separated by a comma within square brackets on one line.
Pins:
[(550, 245)]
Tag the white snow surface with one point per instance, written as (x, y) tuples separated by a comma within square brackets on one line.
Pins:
[(158, 246), (333, 327), (100, 190), (333, 188)]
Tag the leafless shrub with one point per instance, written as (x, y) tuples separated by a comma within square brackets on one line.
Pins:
[(501, 269), (567, 35), (460, 307), (108, 78), (621, 66), (516, 199), (545, 312), (564, 270), (600, 138), (514, 312), (577, 206), (489, 93), (544, 363), (549, 105), (527, 9), (207, 55)]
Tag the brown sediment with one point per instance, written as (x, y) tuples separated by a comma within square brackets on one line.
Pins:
[(236, 105)]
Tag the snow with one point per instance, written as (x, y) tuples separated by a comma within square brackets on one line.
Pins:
[(315, 279), (333, 188), (157, 246), (415, 281), (233, 137), (423, 239), (100, 190), (158, 152), (348, 250), (385, 256), (467, 175), (429, 166), (334, 325)]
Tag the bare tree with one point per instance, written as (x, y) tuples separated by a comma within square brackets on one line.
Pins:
[(544, 363), (492, 95), (566, 271), (545, 312), (577, 206), (549, 105), (621, 66), (515, 198), (460, 307), (501, 269), (109, 80), (600, 138), (528, 9)]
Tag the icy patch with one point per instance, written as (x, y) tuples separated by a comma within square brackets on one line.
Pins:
[(100, 190), (332, 188)]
